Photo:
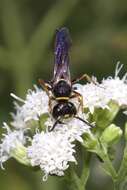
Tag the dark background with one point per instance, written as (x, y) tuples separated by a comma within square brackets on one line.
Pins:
[(27, 27)]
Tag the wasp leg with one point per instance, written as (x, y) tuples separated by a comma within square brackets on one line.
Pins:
[(80, 99), (45, 86), (84, 121), (54, 125), (86, 77), (51, 98)]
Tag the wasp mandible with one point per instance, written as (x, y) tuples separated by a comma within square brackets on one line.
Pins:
[(60, 88)]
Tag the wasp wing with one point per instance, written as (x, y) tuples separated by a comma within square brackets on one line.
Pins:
[(62, 46)]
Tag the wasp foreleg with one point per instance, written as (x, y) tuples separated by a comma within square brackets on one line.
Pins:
[(45, 86), (80, 99)]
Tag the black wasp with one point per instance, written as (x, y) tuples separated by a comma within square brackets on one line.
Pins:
[(60, 88)]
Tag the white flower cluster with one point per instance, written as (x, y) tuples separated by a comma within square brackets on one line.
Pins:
[(10, 142), (52, 151), (93, 96), (110, 89), (34, 106)]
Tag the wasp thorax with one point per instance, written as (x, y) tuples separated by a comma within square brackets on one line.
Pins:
[(64, 110), (62, 89)]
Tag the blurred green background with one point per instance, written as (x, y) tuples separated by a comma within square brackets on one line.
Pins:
[(27, 27)]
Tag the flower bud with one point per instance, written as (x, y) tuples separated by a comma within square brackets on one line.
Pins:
[(20, 154), (111, 135), (90, 141), (104, 117)]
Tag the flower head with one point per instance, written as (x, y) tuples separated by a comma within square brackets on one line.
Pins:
[(52, 152), (33, 107), (116, 88), (110, 89), (93, 96), (36, 104), (10, 142)]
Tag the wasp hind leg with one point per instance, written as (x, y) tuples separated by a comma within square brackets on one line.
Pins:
[(86, 77)]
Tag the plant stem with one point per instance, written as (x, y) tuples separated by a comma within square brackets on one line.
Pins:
[(109, 167), (86, 168), (123, 167), (80, 182), (116, 186), (122, 173), (76, 180)]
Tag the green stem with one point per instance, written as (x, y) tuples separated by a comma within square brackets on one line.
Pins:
[(122, 173), (86, 169), (77, 181), (80, 182), (108, 167), (116, 186)]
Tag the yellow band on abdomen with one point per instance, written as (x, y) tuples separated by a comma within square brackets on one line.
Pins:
[(62, 98)]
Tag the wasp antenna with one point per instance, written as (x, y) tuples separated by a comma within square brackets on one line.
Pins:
[(84, 121), (54, 125)]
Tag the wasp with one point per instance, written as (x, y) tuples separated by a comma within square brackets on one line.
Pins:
[(60, 88)]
